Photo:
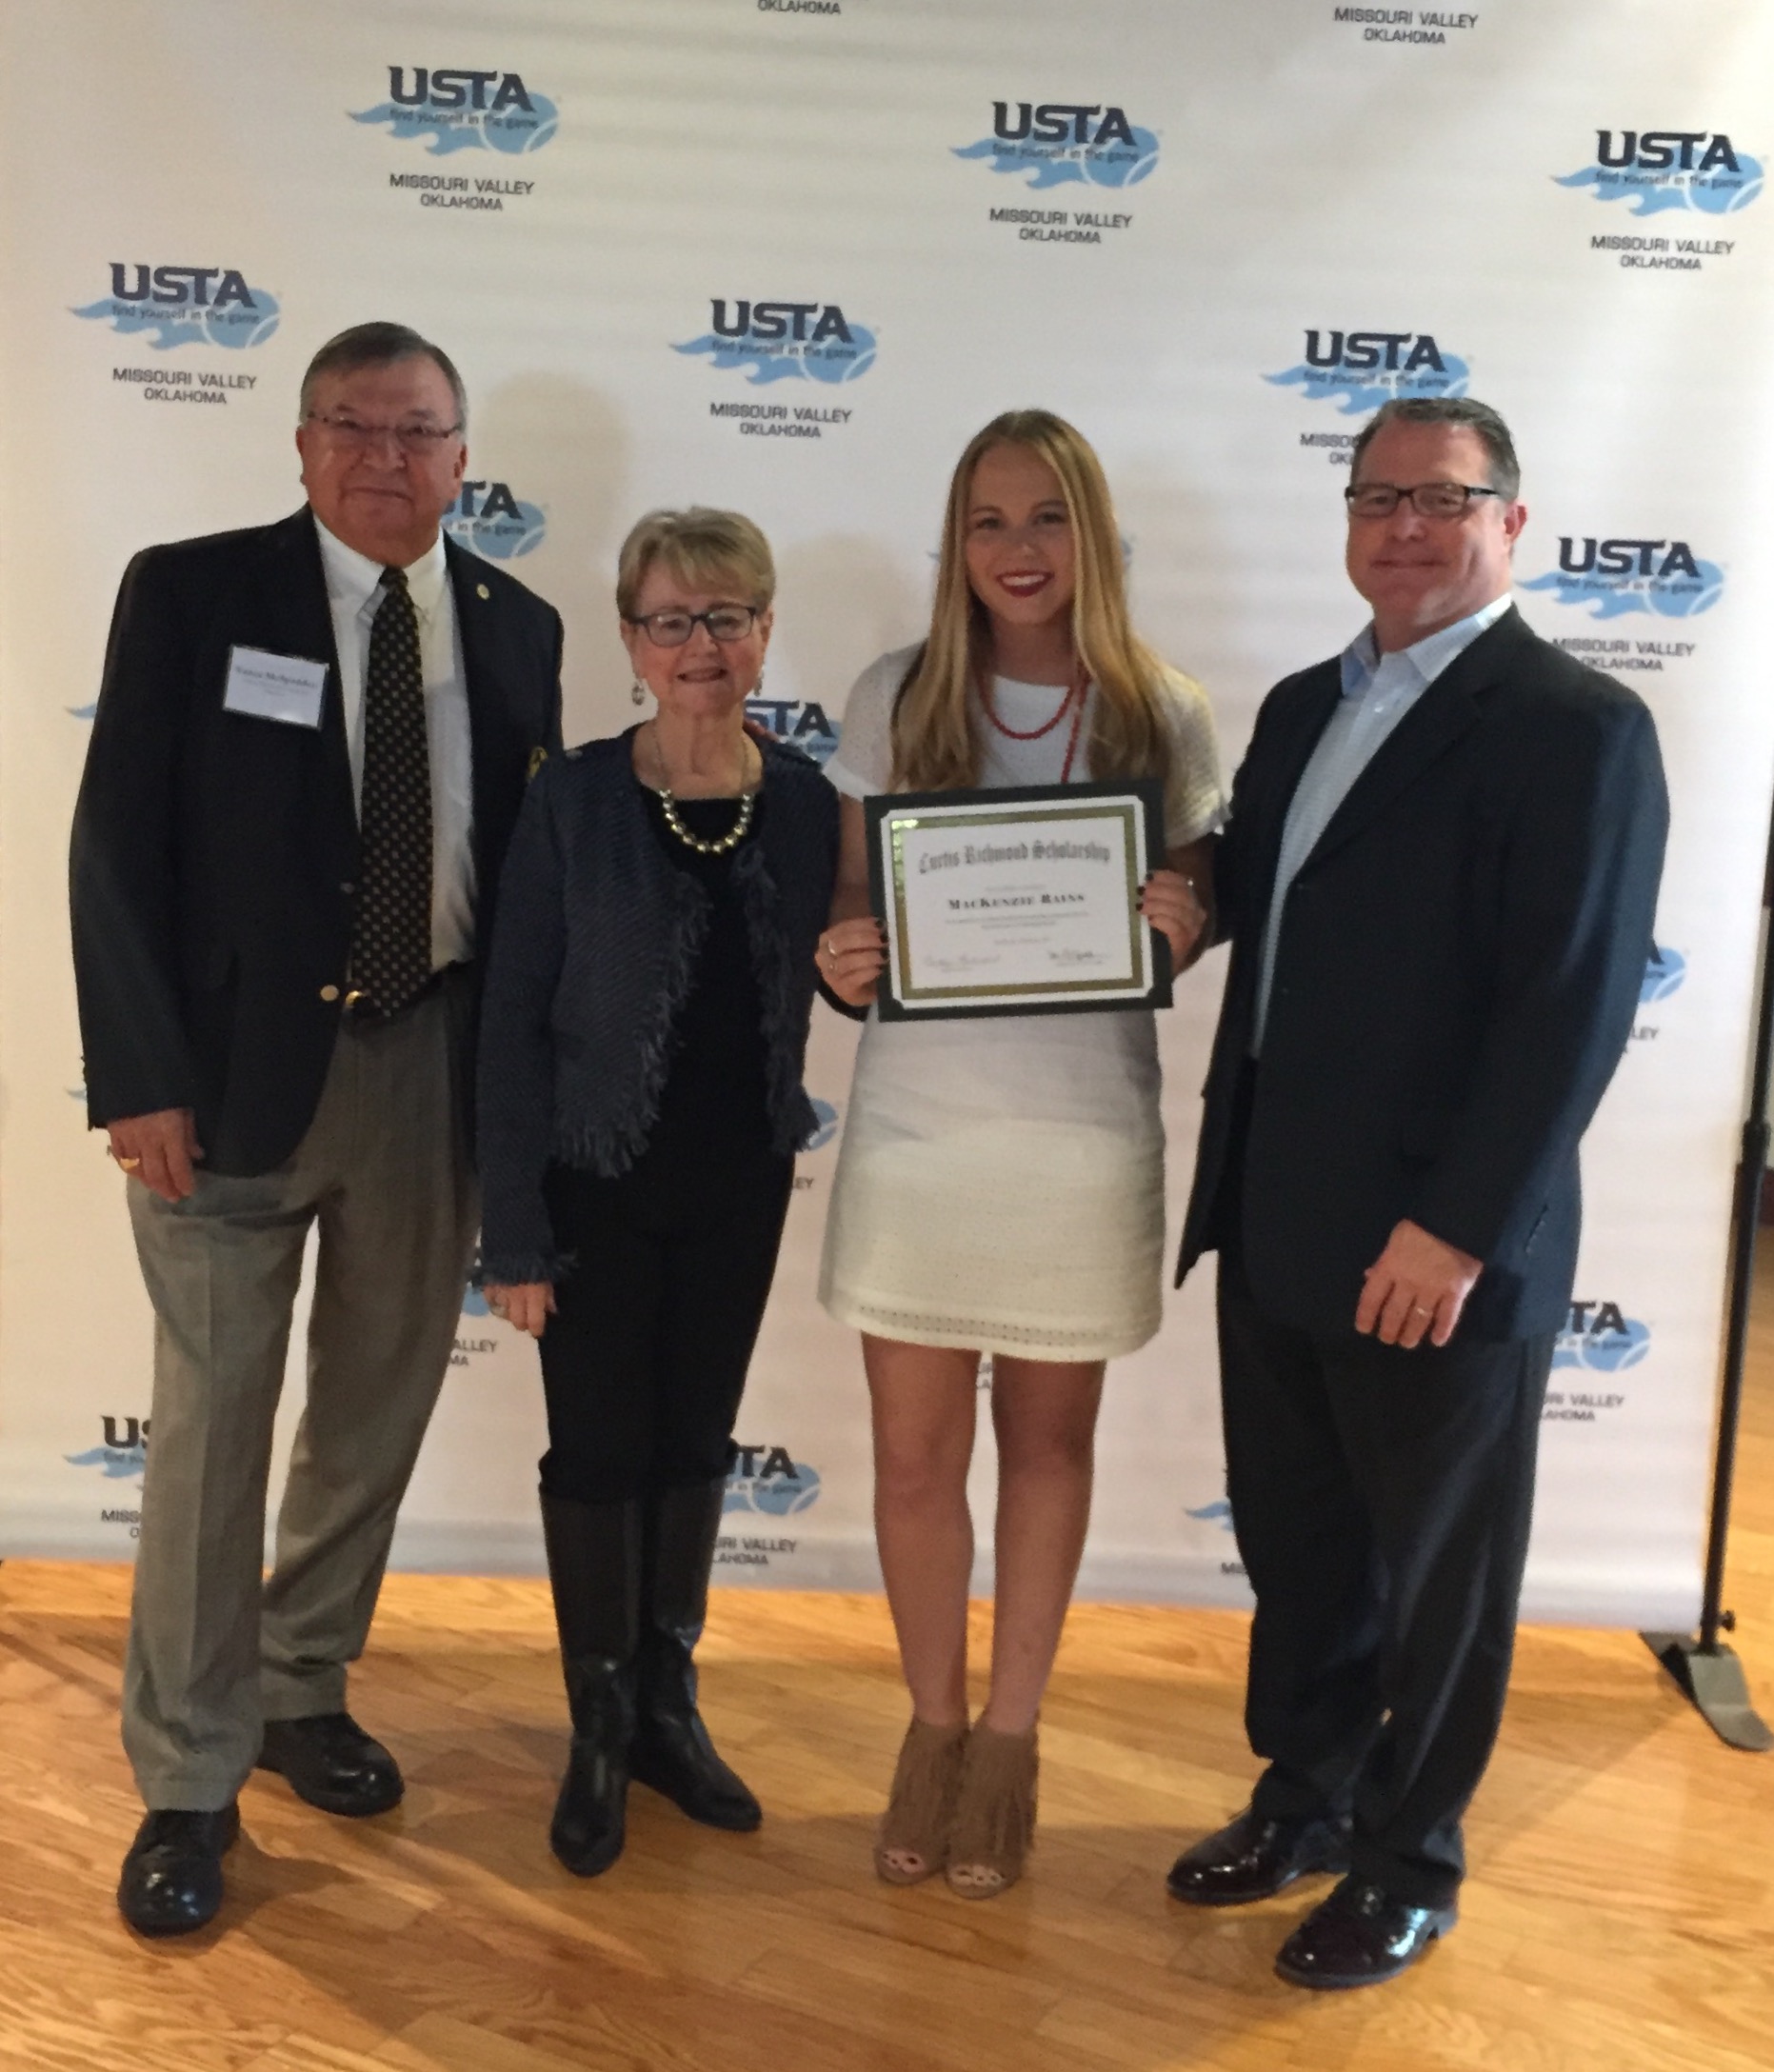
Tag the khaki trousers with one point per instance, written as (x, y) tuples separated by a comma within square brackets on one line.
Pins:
[(215, 1647)]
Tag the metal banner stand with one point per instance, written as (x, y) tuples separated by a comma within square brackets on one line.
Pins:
[(1709, 1671)]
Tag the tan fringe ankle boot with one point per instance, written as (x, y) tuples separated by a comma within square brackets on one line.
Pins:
[(995, 1823), (922, 1803)]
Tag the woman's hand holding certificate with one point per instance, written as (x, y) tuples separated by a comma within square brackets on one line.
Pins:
[(1025, 901)]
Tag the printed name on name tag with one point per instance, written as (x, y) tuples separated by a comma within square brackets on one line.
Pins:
[(269, 687)]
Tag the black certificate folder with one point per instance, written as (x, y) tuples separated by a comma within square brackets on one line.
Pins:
[(1023, 900)]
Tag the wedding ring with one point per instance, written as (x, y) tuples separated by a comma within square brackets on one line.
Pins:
[(126, 1164), (1416, 1309)]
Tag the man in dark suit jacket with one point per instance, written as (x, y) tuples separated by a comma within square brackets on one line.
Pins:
[(1438, 878), (311, 743)]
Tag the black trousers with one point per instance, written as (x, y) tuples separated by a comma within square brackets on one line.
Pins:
[(644, 1364), (1381, 1502)]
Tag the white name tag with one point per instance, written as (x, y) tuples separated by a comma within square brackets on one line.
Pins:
[(285, 687)]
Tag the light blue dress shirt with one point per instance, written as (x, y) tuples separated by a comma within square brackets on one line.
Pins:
[(1378, 690)]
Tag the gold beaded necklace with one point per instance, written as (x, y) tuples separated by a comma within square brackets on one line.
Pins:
[(669, 807)]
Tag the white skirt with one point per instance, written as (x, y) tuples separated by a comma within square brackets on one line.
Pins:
[(1000, 1187)]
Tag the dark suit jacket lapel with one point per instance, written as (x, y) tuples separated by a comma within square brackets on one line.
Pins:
[(1315, 701), (477, 614), (298, 619), (477, 626), (1448, 708)]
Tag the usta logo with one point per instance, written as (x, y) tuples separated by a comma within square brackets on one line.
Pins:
[(826, 1120), (1602, 1337), (1215, 1514), (798, 721), (124, 1454), (1056, 141), (785, 341), (770, 1479), (462, 110), (1620, 575), (1656, 170), (1359, 370), (490, 520), (177, 306)]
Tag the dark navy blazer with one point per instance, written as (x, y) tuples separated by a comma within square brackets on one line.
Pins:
[(1458, 966), (215, 853)]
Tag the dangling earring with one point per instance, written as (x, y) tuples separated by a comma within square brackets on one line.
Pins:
[(638, 692)]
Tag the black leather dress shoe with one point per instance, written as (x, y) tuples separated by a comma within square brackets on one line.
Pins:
[(1362, 1935), (171, 1882), (1254, 1859), (332, 1763)]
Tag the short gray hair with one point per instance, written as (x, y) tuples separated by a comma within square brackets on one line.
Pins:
[(381, 345), (1505, 470), (696, 546)]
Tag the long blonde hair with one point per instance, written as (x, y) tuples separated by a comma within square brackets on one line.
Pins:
[(934, 746)]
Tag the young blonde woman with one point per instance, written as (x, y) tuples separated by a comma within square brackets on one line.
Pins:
[(1001, 1184)]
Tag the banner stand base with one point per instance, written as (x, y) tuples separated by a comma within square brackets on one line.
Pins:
[(1712, 1679)]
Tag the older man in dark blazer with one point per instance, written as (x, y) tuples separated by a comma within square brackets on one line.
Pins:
[(311, 743), (1438, 878)]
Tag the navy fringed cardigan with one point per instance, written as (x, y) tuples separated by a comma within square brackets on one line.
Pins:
[(594, 951)]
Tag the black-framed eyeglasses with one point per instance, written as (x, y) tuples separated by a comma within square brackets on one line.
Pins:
[(1430, 499), (672, 629), (415, 440)]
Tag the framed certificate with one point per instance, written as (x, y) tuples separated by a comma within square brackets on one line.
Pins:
[(1023, 900)]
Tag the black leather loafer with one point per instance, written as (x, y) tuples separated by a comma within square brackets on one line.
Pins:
[(171, 1882), (332, 1763), (1362, 1935), (1254, 1859)]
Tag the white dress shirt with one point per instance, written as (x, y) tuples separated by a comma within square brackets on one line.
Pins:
[(1378, 690), (354, 592)]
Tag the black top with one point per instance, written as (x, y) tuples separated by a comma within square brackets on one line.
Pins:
[(597, 946), (715, 1106)]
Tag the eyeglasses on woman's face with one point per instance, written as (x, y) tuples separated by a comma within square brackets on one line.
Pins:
[(726, 623)]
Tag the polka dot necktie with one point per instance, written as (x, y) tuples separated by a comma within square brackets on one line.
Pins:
[(392, 935)]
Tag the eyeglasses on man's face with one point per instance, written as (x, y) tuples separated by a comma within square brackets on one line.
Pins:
[(415, 438), (672, 629), (1429, 499)]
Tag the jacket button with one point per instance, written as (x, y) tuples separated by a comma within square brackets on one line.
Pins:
[(330, 993), (348, 889)]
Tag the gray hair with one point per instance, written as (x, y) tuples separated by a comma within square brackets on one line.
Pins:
[(696, 546), (382, 345), (1505, 470)]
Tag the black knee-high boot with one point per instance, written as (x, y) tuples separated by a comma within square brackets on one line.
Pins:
[(672, 1750), (594, 1567)]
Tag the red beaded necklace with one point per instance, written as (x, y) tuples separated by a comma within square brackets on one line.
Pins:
[(1073, 702)]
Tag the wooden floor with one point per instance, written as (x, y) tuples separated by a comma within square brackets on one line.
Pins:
[(1621, 1914)]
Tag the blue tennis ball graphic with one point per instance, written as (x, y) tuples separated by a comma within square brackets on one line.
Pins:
[(782, 1496), (238, 328), (1727, 198), (524, 137), (844, 364), (1610, 1353)]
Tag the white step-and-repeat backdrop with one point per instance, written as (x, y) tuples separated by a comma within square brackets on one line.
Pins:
[(786, 255)]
